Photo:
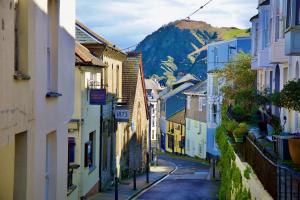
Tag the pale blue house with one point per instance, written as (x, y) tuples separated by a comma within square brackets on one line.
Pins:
[(218, 55)]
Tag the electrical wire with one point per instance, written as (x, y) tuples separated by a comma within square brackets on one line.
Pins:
[(188, 17), (201, 7)]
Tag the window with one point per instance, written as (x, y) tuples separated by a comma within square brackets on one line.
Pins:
[(153, 135), (215, 56), (188, 103), (52, 45), (297, 12), (215, 86), (265, 25), (214, 109), (200, 104), (153, 121), (188, 124), (118, 81), (285, 75), (297, 71), (90, 147), (21, 40), (112, 79), (20, 166), (277, 28), (289, 13)]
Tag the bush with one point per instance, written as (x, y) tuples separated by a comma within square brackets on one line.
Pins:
[(230, 126), (241, 130)]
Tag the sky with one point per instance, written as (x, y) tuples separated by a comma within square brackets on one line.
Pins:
[(127, 22)]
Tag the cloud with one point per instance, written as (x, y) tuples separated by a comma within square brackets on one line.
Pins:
[(127, 22)]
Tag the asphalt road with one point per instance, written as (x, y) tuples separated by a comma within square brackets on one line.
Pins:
[(187, 182)]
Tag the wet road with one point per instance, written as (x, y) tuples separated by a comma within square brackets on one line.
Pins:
[(187, 182)]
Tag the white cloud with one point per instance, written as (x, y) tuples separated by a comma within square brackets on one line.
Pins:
[(127, 22)]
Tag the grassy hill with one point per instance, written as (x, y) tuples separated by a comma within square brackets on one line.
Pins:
[(182, 45)]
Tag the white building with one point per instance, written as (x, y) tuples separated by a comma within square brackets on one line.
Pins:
[(219, 54), (275, 51), (36, 97), (153, 88)]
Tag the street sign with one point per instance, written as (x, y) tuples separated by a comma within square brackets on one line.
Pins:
[(97, 96), (122, 114)]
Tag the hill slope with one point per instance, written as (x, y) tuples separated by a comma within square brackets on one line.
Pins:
[(180, 46)]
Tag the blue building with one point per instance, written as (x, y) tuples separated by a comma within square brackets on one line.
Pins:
[(218, 55)]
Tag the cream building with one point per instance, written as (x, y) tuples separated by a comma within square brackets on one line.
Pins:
[(113, 58), (84, 128), (36, 97)]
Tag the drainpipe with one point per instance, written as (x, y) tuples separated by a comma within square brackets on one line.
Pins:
[(100, 141)]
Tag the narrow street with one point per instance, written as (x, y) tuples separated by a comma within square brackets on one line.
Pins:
[(188, 182)]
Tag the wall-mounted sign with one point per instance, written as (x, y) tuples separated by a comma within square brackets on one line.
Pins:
[(97, 96), (122, 114)]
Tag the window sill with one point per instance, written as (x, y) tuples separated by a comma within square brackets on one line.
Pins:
[(92, 169), (21, 76), (71, 189), (53, 95)]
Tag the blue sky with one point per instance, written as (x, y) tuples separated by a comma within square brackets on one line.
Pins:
[(127, 22)]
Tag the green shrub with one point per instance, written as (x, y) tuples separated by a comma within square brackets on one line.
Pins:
[(231, 126), (241, 130), (247, 172)]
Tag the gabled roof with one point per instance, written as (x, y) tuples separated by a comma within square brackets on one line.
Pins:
[(186, 78), (85, 58), (87, 36), (198, 89), (178, 118), (132, 71), (177, 90), (152, 85)]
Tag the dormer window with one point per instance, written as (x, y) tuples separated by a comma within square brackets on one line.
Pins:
[(292, 35)]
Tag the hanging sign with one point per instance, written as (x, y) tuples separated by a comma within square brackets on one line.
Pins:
[(97, 96), (122, 114)]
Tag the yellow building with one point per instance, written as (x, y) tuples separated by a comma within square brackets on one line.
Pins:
[(176, 133)]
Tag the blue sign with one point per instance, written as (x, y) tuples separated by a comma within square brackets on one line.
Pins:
[(97, 96), (122, 114)]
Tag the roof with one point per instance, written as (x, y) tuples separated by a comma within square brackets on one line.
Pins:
[(152, 85), (186, 78), (231, 40), (254, 17), (86, 36), (178, 117), (132, 71), (197, 89), (85, 58), (264, 3), (177, 90)]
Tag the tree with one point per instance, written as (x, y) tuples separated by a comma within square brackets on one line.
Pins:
[(239, 87)]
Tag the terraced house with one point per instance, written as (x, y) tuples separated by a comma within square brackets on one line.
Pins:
[(110, 131), (195, 120), (276, 52), (36, 104)]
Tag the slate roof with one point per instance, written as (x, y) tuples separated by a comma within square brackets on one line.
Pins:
[(85, 58), (186, 78), (87, 36), (178, 118), (177, 90), (131, 68), (197, 89)]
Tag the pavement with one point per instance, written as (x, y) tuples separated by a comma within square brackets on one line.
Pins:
[(190, 181), (126, 186)]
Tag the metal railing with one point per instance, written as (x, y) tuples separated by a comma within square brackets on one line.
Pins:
[(280, 181)]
